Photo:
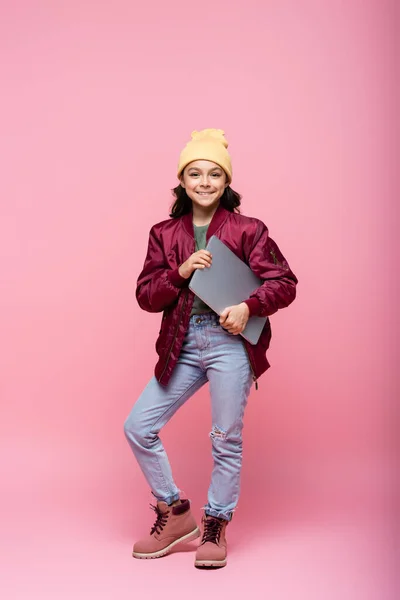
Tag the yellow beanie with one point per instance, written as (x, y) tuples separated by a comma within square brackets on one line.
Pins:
[(208, 144)]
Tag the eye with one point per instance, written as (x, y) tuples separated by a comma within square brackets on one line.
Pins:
[(194, 174), (215, 175)]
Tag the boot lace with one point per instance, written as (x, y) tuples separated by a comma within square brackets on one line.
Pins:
[(161, 520), (212, 529)]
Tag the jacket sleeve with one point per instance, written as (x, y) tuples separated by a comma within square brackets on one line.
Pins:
[(278, 289), (158, 286)]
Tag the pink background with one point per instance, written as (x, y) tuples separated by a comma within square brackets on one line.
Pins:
[(97, 100)]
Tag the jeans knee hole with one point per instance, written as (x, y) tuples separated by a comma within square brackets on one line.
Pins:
[(217, 433)]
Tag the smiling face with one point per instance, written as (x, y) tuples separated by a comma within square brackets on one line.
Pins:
[(205, 183)]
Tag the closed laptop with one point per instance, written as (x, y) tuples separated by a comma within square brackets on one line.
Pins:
[(227, 282)]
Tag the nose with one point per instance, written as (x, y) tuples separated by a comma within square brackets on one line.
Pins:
[(204, 181)]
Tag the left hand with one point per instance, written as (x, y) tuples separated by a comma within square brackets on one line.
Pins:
[(234, 318)]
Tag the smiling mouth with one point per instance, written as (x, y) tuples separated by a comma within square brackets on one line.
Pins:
[(204, 193)]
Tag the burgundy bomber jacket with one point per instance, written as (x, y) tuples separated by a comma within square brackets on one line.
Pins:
[(160, 288)]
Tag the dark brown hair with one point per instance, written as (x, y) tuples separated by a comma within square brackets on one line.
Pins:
[(183, 204)]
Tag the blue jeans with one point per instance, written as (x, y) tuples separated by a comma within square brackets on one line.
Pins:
[(209, 353)]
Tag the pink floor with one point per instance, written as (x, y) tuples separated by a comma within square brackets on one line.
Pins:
[(70, 536)]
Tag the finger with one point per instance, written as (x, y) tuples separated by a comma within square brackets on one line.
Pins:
[(206, 259), (233, 331), (201, 262), (231, 322), (224, 315), (203, 259)]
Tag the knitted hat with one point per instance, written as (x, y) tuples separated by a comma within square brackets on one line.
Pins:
[(208, 144)]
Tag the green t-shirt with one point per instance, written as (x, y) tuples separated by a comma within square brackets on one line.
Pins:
[(200, 233)]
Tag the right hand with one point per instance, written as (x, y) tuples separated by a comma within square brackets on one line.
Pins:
[(199, 260)]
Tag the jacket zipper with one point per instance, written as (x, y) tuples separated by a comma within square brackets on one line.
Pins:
[(176, 333), (179, 322)]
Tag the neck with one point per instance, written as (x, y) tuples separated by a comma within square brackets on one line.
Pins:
[(202, 216)]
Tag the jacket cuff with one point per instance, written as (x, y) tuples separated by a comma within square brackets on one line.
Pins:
[(254, 306), (176, 279)]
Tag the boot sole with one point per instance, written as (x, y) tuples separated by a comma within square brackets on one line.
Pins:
[(186, 538), (210, 564)]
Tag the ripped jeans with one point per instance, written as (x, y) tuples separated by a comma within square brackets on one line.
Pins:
[(209, 353)]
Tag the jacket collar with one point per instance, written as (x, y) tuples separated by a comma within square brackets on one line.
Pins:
[(218, 218)]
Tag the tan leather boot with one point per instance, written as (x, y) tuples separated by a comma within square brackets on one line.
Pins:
[(174, 524), (212, 551)]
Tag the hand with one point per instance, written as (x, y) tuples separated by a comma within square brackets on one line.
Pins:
[(234, 318), (199, 260)]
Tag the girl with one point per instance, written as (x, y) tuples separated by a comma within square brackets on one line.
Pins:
[(195, 345)]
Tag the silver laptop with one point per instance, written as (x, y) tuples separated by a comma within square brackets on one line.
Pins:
[(227, 282)]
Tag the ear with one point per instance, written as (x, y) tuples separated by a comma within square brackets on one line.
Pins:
[(181, 181)]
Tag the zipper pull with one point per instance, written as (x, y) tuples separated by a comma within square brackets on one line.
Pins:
[(256, 384)]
